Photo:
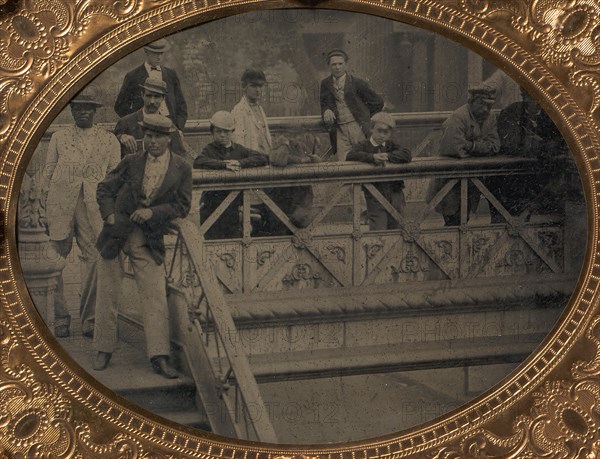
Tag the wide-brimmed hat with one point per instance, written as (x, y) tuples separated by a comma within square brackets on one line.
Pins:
[(485, 93), (157, 123), (337, 52), (159, 46), (86, 96), (155, 85), (383, 118)]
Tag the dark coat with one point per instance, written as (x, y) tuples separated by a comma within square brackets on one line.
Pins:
[(130, 98), (214, 155), (120, 193), (130, 125), (362, 101), (364, 151)]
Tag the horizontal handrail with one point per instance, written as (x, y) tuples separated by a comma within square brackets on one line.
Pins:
[(355, 171), (296, 123)]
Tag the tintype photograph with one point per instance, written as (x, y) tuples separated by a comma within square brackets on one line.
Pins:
[(301, 226)]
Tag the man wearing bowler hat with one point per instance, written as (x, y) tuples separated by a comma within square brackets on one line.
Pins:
[(347, 104), (138, 200), (129, 130), (78, 157), (130, 98), (469, 131)]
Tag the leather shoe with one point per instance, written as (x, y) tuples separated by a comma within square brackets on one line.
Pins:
[(101, 361), (62, 331), (161, 366)]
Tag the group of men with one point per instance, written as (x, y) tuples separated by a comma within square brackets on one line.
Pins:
[(132, 184)]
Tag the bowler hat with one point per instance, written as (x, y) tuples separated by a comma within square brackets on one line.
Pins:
[(384, 118), (86, 96), (159, 46), (157, 123), (484, 92), (337, 52), (155, 85)]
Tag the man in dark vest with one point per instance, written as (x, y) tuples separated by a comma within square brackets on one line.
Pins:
[(130, 98), (347, 104), (138, 200)]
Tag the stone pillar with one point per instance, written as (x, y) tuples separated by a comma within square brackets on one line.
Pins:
[(40, 262)]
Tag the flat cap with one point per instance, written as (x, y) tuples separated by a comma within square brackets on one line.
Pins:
[(157, 123), (485, 92), (337, 52), (159, 46), (155, 85), (223, 120), (384, 118)]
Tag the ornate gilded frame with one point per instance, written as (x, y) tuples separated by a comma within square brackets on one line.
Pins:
[(548, 408)]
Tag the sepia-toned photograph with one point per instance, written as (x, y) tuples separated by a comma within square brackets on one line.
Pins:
[(301, 226)]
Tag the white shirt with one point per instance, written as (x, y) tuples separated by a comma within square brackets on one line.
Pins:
[(340, 82), (375, 144), (154, 173)]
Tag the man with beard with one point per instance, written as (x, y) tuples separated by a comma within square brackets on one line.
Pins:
[(78, 158), (129, 130), (469, 131), (138, 201)]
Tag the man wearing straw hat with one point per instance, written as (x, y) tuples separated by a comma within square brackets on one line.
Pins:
[(78, 157), (130, 98), (138, 200)]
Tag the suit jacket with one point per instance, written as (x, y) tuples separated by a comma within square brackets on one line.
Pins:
[(76, 161), (364, 151), (130, 125), (362, 101), (121, 193), (247, 129), (130, 98)]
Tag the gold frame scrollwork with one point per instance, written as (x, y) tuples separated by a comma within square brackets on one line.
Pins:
[(50, 408)]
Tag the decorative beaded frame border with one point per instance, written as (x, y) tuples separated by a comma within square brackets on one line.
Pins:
[(548, 408)]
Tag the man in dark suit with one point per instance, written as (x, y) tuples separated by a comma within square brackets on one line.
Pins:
[(347, 104), (138, 200), (129, 131), (130, 98), (379, 150)]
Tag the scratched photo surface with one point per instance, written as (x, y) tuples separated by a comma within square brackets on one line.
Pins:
[(301, 226)]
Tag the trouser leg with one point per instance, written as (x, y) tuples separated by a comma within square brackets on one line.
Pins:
[(86, 240), (398, 202), (109, 278), (378, 217), (348, 134), (152, 291), (62, 317)]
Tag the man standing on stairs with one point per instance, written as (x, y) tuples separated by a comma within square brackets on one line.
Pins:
[(130, 98), (78, 157), (138, 200)]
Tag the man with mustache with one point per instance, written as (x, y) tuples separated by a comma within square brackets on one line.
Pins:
[(138, 201), (78, 157), (129, 131)]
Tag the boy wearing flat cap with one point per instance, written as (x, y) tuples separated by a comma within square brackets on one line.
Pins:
[(470, 130), (138, 200), (378, 150), (130, 97), (347, 104)]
